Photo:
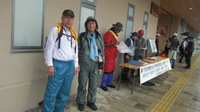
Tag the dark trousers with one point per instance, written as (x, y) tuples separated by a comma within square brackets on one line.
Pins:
[(188, 58), (125, 71), (182, 54)]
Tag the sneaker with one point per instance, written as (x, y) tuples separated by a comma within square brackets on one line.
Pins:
[(111, 86), (92, 106), (81, 107), (104, 88)]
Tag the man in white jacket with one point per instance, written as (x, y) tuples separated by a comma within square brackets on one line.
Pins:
[(61, 58)]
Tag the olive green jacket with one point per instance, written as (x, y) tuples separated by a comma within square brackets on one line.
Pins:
[(84, 46)]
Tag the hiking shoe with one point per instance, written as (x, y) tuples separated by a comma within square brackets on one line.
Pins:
[(92, 106), (104, 88), (81, 107), (111, 86)]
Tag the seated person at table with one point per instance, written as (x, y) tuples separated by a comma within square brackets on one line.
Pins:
[(130, 42)]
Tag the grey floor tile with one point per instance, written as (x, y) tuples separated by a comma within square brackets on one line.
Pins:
[(145, 97)]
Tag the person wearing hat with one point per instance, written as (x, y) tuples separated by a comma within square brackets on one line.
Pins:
[(130, 42), (157, 43), (140, 46), (166, 51), (174, 43), (90, 54), (182, 49), (61, 58), (111, 52), (189, 51)]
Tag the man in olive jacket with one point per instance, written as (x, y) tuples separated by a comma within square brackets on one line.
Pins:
[(91, 53)]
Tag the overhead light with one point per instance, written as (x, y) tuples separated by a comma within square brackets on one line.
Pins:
[(190, 8)]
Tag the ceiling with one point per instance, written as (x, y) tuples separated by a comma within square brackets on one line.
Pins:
[(182, 8)]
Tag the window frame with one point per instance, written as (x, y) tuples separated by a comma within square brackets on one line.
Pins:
[(129, 18), (24, 48), (145, 23), (89, 5)]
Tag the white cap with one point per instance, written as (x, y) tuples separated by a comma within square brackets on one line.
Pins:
[(158, 34), (175, 34)]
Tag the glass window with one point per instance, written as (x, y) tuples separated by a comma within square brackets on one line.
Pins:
[(145, 23), (129, 21), (130, 11), (92, 1), (129, 28), (86, 11), (145, 30), (27, 25), (146, 17)]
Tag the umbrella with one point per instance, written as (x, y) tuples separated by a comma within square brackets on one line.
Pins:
[(188, 34)]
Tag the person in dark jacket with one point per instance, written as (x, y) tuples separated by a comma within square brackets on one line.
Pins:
[(141, 46), (174, 43), (182, 49), (130, 42), (157, 43), (166, 48), (188, 52), (90, 54)]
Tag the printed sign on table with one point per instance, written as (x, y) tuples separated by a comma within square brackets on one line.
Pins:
[(153, 70)]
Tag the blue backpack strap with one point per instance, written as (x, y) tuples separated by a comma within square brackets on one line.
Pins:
[(59, 37)]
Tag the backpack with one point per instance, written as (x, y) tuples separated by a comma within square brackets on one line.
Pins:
[(60, 34)]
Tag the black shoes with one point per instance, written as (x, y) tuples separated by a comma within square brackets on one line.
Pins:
[(92, 106), (104, 88), (81, 107), (111, 86), (186, 67)]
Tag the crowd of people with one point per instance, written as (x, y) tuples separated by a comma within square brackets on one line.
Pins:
[(185, 49), (68, 54)]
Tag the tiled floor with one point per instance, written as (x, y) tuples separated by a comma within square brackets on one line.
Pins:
[(144, 98)]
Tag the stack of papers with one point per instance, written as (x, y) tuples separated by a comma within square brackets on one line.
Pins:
[(122, 48), (149, 60)]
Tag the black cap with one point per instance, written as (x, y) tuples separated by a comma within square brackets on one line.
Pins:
[(68, 12), (135, 34)]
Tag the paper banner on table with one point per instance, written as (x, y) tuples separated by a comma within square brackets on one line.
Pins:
[(153, 70)]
